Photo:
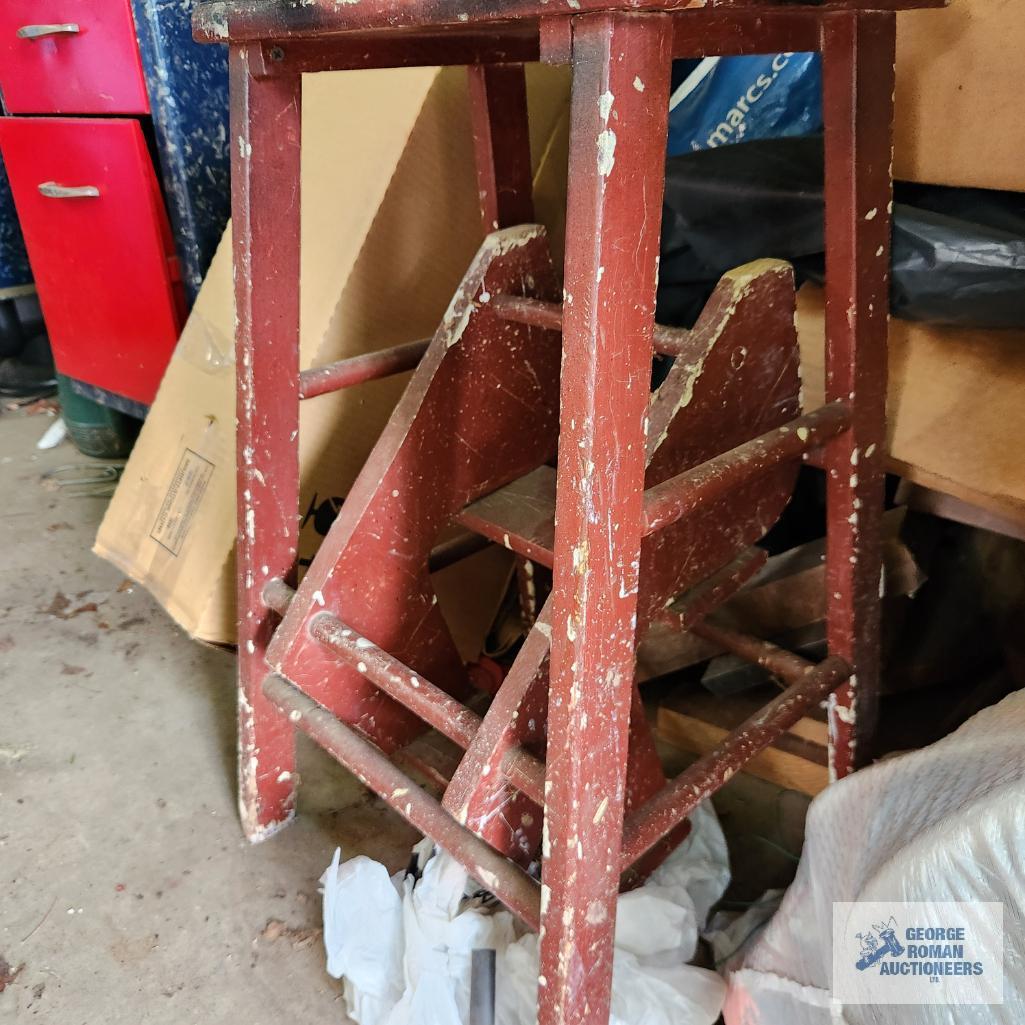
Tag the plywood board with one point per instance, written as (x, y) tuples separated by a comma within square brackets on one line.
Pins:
[(698, 722), (390, 222), (960, 117), (956, 406)]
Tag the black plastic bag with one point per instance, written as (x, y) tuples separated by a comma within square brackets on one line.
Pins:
[(958, 254)]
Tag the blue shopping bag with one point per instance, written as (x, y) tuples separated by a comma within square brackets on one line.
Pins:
[(723, 100)]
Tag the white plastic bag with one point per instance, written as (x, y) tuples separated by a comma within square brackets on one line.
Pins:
[(413, 966), (946, 823), (363, 936)]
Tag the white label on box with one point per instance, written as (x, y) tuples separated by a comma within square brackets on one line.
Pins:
[(181, 502)]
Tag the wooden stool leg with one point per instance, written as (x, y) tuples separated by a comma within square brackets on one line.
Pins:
[(265, 124), (858, 85), (617, 153), (501, 139)]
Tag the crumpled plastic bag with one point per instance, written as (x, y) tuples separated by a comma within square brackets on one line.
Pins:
[(941, 824), (363, 935), (403, 946), (730, 933), (958, 255)]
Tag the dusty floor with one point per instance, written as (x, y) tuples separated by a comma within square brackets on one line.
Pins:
[(126, 891), (127, 894)]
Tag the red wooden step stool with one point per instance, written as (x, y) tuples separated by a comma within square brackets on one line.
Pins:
[(656, 497)]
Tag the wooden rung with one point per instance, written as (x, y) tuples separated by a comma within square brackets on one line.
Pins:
[(446, 714), (370, 366), (698, 722), (518, 891), (656, 818), (669, 341), (670, 501)]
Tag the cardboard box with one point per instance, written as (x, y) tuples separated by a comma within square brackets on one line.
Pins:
[(390, 223), (960, 116), (955, 410)]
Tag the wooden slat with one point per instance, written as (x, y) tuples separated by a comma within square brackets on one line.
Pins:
[(955, 415), (246, 20), (801, 767)]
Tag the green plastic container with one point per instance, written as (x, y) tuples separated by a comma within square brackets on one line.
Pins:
[(96, 430)]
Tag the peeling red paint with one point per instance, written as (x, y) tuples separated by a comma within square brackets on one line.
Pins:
[(654, 495)]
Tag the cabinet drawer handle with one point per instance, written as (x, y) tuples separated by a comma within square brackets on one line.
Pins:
[(54, 191), (69, 28)]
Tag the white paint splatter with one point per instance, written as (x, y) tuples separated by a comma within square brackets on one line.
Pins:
[(606, 137), (606, 152)]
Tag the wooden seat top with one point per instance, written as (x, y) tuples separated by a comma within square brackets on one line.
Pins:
[(251, 20)]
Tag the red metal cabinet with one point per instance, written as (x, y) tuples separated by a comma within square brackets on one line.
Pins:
[(100, 247), (70, 57)]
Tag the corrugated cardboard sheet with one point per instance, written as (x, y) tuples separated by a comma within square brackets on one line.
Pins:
[(960, 116), (390, 223), (955, 413)]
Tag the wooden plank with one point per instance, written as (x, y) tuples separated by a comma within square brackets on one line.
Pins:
[(936, 503), (960, 119), (811, 730), (806, 773), (954, 406)]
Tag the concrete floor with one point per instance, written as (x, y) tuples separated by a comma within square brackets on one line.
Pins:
[(126, 891)]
